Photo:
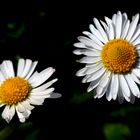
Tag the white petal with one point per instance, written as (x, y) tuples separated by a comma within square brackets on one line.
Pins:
[(44, 86), (5, 114), (124, 86), (27, 105), (120, 96), (11, 112), (79, 45), (21, 64), (20, 116), (41, 93), (111, 31), (136, 72), (93, 85), (114, 19), (42, 77), (136, 41), (27, 67), (135, 34), (94, 38), (134, 77), (34, 77), (36, 101), (96, 33), (81, 72), (91, 70), (31, 70), (125, 29), (114, 86), (89, 60), (103, 84), (118, 25), (4, 69), (9, 68), (89, 43), (55, 95), (133, 87), (95, 75), (100, 29), (87, 52), (20, 108), (132, 27)]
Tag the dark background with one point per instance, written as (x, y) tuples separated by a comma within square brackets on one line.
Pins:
[(45, 31)]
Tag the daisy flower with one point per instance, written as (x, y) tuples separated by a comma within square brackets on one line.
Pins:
[(19, 92), (112, 56)]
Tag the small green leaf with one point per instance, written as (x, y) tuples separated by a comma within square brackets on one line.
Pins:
[(116, 131)]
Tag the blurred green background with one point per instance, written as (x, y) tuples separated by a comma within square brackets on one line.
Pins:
[(45, 31)]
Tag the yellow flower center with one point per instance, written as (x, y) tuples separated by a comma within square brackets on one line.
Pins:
[(14, 90), (118, 56)]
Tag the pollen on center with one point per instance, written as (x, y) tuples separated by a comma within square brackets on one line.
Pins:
[(14, 90), (118, 56)]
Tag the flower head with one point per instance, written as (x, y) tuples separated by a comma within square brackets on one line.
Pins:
[(112, 57), (19, 92)]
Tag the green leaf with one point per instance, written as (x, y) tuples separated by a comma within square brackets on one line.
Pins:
[(116, 131), (125, 111), (33, 135), (7, 131), (78, 99)]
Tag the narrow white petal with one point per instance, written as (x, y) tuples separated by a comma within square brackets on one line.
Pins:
[(4, 69), (132, 27), (87, 52), (101, 30), (103, 84), (42, 77), (89, 43), (114, 19), (31, 70), (95, 75), (44, 86), (41, 93), (114, 87), (111, 30), (27, 105), (27, 67), (35, 101), (136, 41), (55, 95), (93, 85), (79, 45), (34, 77), (89, 60), (21, 64), (120, 96), (96, 33), (20, 108), (136, 72), (135, 34), (118, 25), (11, 112), (81, 72), (91, 70), (104, 25), (125, 29), (9, 68), (133, 87), (124, 86), (134, 77), (94, 38), (20, 116), (5, 114)]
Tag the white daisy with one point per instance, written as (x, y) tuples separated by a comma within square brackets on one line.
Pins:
[(112, 57), (21, 91)]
